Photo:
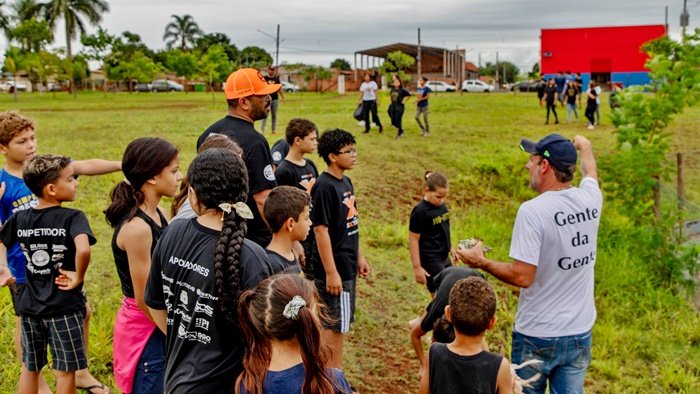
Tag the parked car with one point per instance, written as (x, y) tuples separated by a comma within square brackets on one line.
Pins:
[(290, 87), (440, 86), (474, 85), (525, 86), (165, 85), (144, 87), (7, 86)]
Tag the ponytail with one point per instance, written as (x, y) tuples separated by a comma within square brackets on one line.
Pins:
[(434, 180), (125, 203), (258, 351), (313, 353)]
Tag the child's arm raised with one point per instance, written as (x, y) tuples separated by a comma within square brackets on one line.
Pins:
[(69, 280), (96, 166), (334, 285), (418, 272)]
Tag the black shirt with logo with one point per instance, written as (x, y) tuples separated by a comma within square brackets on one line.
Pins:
[(279, 151), (333, 202), (433, 225), (443, 284), (571, 93), (397, 96), (281, 264), (453, 373), (301, 177), (204, 350), (258, 160), (46, 238), (273, 80)]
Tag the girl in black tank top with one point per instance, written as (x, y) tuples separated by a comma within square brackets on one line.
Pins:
[(151, 169)]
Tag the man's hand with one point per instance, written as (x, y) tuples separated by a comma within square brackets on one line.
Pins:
[(6, 277), (473, 257), (421, 275), (581, 142), (68, 280), (363, 267), (334, 285)]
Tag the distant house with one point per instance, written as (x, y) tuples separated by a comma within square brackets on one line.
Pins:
[(436, 63), (601, 54)]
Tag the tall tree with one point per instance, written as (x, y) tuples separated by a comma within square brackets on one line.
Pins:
[(183, 30), (31, 35), (341, 64), (255, 57), (4, 20), (208, 40), (25, 9), (73, 12)]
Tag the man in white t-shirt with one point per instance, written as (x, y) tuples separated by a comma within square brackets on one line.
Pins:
[(554, 253)]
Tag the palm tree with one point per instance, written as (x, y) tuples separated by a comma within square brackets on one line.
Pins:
[(25, 9), (72, 11), (183, 30), (4, 21)]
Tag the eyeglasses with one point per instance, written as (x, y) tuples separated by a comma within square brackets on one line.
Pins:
[(351, 152)]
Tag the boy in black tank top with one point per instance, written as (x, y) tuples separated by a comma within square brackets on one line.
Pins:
[(464, 366)]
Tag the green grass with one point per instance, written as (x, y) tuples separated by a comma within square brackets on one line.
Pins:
[(646, 338)]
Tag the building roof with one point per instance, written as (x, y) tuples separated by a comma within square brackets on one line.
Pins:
[(409, 49), (469, 66)]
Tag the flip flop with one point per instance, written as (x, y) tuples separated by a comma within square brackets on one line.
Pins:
[(89, 389)]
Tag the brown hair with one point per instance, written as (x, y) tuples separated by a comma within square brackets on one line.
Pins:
[(282, 203), (299, 127), (41, 170), (472, 305), (213, 140), (261, 314), (11, 124), (434, 180)]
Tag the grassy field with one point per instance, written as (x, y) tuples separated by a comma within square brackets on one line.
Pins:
[(646, 338)]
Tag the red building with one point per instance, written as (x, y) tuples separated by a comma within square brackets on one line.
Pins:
[(603, 54)]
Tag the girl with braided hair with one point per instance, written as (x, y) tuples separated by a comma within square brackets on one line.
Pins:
[(151, 168), (199, 268), (281, 319)]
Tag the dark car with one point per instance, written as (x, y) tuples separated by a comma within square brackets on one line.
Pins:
[(525, 86)]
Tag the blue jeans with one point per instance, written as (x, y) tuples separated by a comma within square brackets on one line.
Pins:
[(564, 361), (150, 371)]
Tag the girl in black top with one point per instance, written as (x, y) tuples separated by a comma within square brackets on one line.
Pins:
[(151, 170), (200, 267), (591, 105), (398, 95), (550, 98)]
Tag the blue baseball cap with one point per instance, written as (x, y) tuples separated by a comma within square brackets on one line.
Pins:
[(557, 149)]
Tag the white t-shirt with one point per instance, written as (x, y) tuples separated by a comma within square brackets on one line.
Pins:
[(369, 91), (598, 91), (557, 231)]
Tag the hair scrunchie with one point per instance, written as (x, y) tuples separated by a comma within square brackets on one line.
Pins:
[(291, 310)]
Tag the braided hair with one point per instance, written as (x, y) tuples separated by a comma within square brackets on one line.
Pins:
[(220, 176)]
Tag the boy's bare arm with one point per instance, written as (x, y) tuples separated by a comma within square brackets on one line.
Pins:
[(96, 166), (160, 317), (418, 272), (69, 280), (323, 241), (363, 267), (505, 380), (424, 387)]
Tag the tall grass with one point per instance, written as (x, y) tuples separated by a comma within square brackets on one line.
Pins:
[(646, 338)]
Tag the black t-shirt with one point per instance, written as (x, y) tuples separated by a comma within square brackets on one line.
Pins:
[(333, 202), (453, 373), (204, 350), (301, 177), (257, 158), (273, 80), (550, 92), (443, 283), (397, 96), (571, 93), (592, 100), (120, 258), (46, 237), (280, 264), (279, 151), (433, 225)]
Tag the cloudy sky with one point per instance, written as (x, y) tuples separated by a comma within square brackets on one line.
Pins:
[(318, 31)]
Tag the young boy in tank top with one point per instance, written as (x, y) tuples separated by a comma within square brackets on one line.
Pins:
[(464, 366)]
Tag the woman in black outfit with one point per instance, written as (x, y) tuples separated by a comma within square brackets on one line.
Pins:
[(550, 97)]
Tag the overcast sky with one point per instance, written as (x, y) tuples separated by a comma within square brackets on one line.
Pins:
[(318, 31)]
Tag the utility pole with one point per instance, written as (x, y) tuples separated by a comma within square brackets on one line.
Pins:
[(666, 20), (685, 18), (497, 85), (418, 57), (277, 48)]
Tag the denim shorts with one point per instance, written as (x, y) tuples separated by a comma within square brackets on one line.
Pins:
[(564, 361), (150, 371)]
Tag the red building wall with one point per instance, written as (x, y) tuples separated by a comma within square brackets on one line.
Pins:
[(596, 49)]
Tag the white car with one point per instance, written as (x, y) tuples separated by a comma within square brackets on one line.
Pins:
[(474, 85), (6, 86), (290, 87), (440, 86)]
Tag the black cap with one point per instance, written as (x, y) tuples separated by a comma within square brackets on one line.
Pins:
[(557, 149)]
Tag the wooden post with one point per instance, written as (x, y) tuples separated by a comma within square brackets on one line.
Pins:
[(418, 57), (681, 194)]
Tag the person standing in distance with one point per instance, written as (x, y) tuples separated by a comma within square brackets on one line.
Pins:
[(554, 253), (248, 98), (274, 79)]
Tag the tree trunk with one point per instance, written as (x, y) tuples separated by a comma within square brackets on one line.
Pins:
[(14, 88), (69, 55)]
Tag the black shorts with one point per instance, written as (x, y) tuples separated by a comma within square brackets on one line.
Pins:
[(341, 308), (434, 268), (15, 291), (63, 333)]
